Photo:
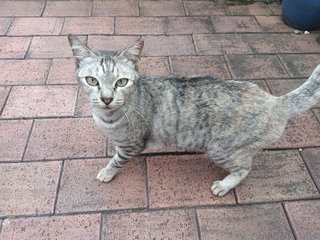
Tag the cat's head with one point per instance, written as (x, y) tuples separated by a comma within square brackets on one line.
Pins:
[(108, 78)]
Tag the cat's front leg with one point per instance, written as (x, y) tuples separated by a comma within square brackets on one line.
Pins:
[(106, 174), (120, 158)]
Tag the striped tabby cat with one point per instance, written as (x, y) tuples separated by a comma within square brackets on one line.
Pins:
[(228, 120)]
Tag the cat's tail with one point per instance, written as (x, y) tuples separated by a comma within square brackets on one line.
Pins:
[(305, 96)]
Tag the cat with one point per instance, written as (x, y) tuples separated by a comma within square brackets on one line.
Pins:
[(228, 120)]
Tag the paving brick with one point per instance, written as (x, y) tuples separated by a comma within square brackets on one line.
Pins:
[(68, 8), (62, 71), (65, 138), (111, 43), (304, 217), (151, 225), (154, 66), (50, 47), (205, 8), (258, 8), (216, 44), (183, 181), (168, 45), (14, 47), (307, 43), (36, 26), (261, 83), (81, 191), (19, 8), (283, 86), (316, 112), (287, 43), (271, 43), (115, 8), (189, 25), (301, 131), (24, 72), (280, 87), (200, 65), (53, 227), (28, 188), (300, 65), (83, 106), (276, 176), (88, 25), (161, 8), (111, 149), (244, 222), (225, 24), (13, 139), (4, 91), (275, 7), (273, 24), (141, 25), (4, 25), (255, 66), (40, 101), (311, 158)]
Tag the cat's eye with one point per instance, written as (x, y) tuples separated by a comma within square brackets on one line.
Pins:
[(122, 82), (92, 81)]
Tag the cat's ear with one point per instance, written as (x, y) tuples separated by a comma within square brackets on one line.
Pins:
[(133, 52), (79, 49)]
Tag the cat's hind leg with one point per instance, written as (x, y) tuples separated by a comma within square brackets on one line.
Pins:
[(222, 187), (238, 164), (120, 158)]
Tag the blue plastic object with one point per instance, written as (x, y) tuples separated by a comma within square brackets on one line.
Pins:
[(301, 14)]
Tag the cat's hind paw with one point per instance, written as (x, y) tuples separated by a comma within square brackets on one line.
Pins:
[(218, 189), (104, 175)]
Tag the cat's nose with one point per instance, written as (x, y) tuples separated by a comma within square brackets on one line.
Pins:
[(107, 101)]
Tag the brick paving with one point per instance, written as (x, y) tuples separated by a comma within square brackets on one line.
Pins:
[(51, 150)]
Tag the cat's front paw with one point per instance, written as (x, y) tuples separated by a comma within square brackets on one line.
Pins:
[(218, 189), (104, 175)]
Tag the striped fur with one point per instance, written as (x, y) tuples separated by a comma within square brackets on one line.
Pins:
[(229, 120)]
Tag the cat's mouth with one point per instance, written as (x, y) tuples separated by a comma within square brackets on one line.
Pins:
[(106, 107)]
